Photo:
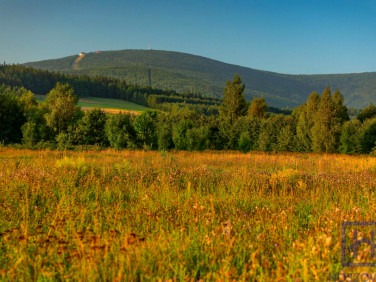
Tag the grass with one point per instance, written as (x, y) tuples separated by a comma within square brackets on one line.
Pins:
[(141, 215), (105, 104)]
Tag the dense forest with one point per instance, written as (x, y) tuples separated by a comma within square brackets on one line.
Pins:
[(42, 81), (321, 124), (195, 74)]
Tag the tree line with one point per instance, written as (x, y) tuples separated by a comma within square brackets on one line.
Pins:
[(42, 81), (321, 124)]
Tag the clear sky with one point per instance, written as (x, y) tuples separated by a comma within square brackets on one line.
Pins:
[(305, 36)]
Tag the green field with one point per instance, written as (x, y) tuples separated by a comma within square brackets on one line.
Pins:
[(104, 103)]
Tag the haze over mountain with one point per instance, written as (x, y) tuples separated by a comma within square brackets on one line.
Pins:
[(186, 72)]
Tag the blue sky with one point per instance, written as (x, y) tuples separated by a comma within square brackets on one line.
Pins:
[(307, 37)]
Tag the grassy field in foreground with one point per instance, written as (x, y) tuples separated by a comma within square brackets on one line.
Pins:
[(105, 104), (139, 215)]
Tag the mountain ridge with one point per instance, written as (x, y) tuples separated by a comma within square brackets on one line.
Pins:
[(194, 73)]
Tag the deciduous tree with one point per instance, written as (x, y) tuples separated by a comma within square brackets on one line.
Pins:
[(61, 103), (258, 108)]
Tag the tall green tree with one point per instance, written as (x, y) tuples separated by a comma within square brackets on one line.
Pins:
[(276, 133), (305, 115), (61, 104), (258, 108), (366, 136), (349, 139), (179, 134), (245, 142), (120, 131), (329, 117), (246, 129), (11, 118), (234, 104), (340, 110), (198, 138), (145, 125), (91, 128)]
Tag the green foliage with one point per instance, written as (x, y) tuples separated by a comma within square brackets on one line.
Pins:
[(234, 104), (305, 115), (179, 134), (91, 128), (258, 108), (285, 139), (12, 116), (164, 135), (245, 144), (367, 112), (197, 138), (29, 134), (120, 131), (340, 110), (249, 125), (28, 103), (66, 139), (276, 134), (61, 104), (303, 129), (330, 115), (350, 137), (216, 139), (41, 81), (145, 126), (367, 136), (321, 124)]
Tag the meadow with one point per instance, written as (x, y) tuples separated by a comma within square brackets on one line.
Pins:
[(177, 216), (113, 106)]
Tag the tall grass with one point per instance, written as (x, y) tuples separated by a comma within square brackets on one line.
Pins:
[(138, 215)]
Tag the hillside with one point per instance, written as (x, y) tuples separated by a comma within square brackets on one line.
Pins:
[(185, 72)]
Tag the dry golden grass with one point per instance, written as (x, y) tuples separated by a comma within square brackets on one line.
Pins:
[(139, 215)]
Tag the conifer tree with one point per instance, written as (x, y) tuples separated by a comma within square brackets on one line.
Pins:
[(327, 123), (340, 110), (305, 121), (234, 104)]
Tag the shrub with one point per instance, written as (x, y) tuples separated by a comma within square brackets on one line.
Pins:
[(244, 142)]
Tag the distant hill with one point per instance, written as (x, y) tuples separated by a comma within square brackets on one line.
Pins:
[(190, 73)]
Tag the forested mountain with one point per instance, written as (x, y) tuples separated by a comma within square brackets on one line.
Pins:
[(189, 73)]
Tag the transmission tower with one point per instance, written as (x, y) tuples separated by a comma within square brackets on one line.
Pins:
[(147, 64)]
